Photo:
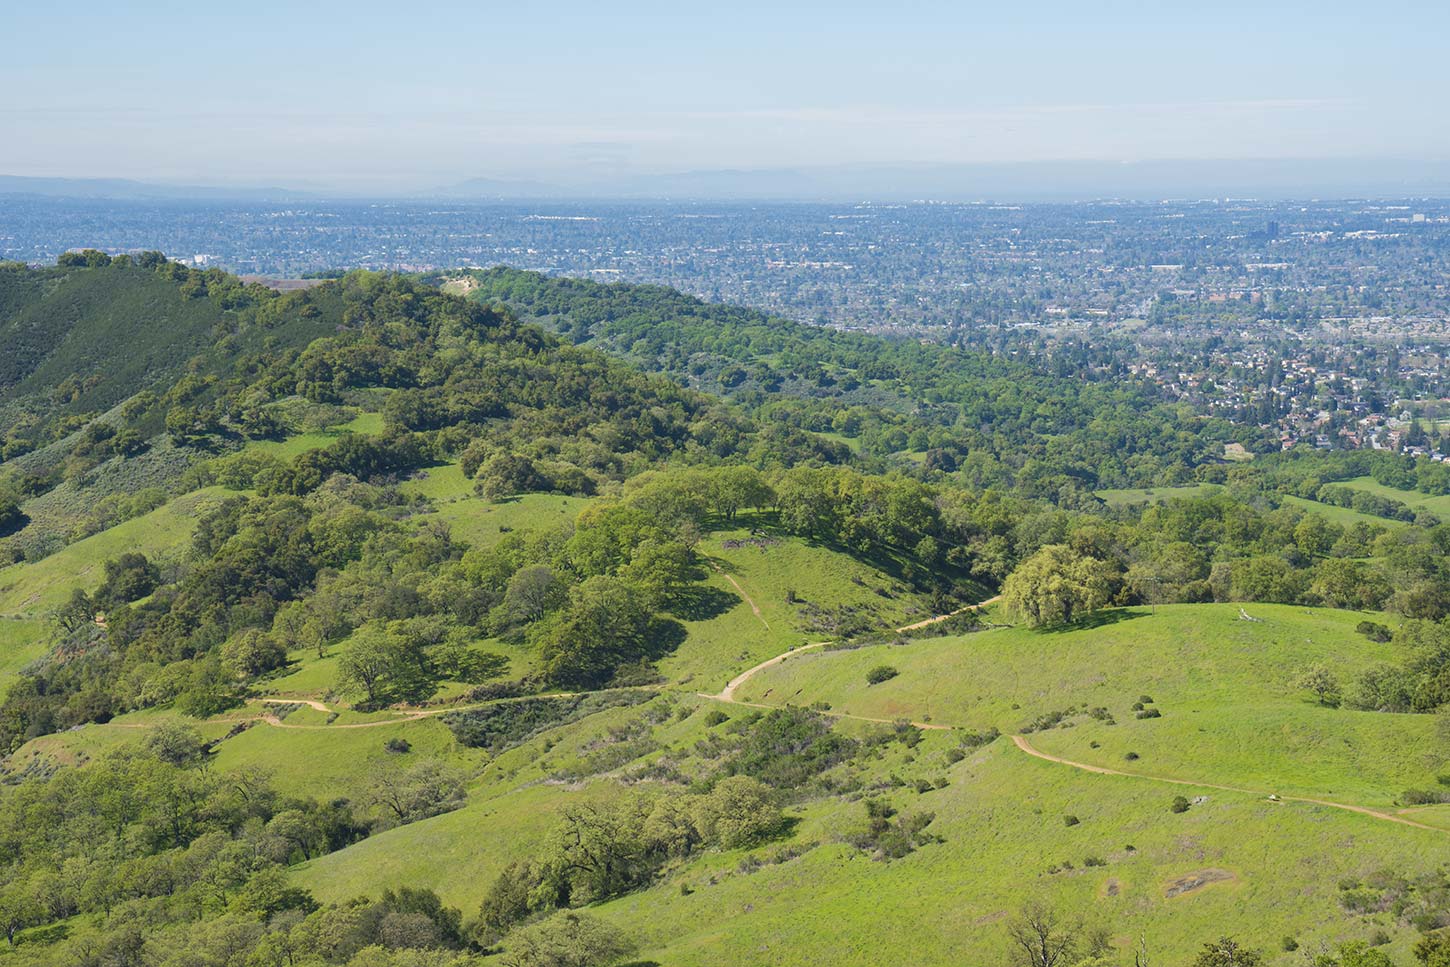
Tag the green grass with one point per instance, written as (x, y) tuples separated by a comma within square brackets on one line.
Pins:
[(481, 522), (1342, 516), (458, 854), (80, 745), (1001, 819), (1439, 506), (511, 806), (32, 588), (337, 761), (369, 423), (22, 641), (443, 483), (823, 582), (853, 443), (309, 676), (1152, 495), (1000, 816), (1231, 711), (1231, 715)]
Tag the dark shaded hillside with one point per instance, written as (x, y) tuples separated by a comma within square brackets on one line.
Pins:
[(82, 337), (110, 328)]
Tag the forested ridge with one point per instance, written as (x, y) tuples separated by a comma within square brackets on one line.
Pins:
[(331, 458), (1002, 421)]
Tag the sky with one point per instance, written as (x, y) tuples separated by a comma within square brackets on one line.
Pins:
[(365, 95)]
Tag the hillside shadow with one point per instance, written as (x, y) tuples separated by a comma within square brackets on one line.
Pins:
[(13, 523), (1097, 619), (701, 602), (662, 637), (896, 563)]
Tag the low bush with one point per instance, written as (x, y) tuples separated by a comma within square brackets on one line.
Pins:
[(879, 674)]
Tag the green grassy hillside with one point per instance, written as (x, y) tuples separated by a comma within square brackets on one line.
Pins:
[(1001, 819), (1232, 711), (1437, 505), (444, 611), (35, 588)]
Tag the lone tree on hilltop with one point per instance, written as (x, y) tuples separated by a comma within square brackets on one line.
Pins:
[(1057, 585)]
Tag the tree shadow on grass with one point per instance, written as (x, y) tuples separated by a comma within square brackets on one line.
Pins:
[(701, 603), (662, 637), (1097, 619)]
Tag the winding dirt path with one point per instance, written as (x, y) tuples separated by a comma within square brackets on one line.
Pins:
[(755, 609), (950, 614), (282, 700), (727, 694), (1021, 742)]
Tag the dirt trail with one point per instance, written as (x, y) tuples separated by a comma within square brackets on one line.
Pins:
[(414, 714), (309, 702), (1021, 742), (399, 714), (830, 714), (727, 694), (950, 614), (748, 599)]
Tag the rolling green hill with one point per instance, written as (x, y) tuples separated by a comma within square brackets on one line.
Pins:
[(396, 632)]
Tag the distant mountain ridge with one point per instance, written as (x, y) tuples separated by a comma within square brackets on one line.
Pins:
[(1003, 182), (1035, 181), (128, 189)]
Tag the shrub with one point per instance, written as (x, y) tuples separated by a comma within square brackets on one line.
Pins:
[(1289, 945), (1424, 797), (788, 747), (1323, 684), (398, 745), (714, 717), (739, 811), (879, 674), (1131, 756), (1227, 952), (890, 836), (568, 939), (973, 740), (1374, 631), (1180, 804), (1070, 820), (1150, 713)]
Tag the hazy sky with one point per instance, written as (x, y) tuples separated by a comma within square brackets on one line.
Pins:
[(401, 95)]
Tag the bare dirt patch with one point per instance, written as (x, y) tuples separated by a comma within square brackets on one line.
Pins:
[(1196, 880)]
